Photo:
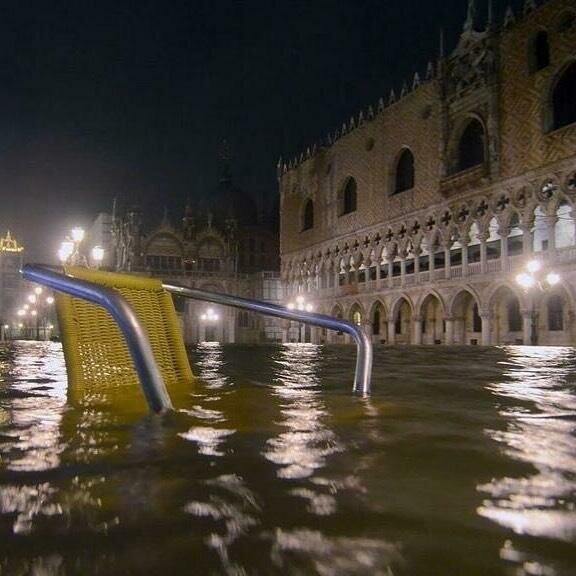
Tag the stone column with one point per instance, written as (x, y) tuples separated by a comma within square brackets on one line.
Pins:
[(447, 263), (391, 332), (527, 240), (417, 336), (504, 250), (416, 253), (390, 279), (486, 328), (402, 271), (449, 336), (464, 261), (551, 225), (483, 258), (527, 327)]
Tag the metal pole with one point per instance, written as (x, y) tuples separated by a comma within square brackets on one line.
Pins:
[(136, 338), (363, 344)]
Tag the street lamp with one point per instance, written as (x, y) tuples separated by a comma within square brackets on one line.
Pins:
[(300, 304), (69, 253), (535, 276), (97, 255), (209, 317)]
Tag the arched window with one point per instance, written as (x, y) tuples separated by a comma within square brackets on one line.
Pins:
[(555, 314), (349, 197), (563, 98), (376, 322), (539, 55), (471, 146), (476, 319), (357, 317), (404, 172), (308, 216), (515, 240)]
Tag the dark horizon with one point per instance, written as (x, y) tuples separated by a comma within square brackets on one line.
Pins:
[(133, 102)]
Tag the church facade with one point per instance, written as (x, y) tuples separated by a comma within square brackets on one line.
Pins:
[(417, 217), (224, 247)]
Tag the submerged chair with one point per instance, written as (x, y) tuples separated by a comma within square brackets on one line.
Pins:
[(120, 328)]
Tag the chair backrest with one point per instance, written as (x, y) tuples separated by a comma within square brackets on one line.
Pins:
[(94, 347)]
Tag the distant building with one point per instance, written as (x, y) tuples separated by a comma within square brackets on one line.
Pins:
[(415, 218), (11, 283), (227, 246)]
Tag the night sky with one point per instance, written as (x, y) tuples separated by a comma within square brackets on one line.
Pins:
[(132, 99)]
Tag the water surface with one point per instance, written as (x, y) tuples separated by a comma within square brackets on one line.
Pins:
[(462, 462)]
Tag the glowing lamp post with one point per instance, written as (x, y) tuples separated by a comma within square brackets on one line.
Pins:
[(536, 277), (69, 253), (209, 319), (302, 305), (97, 256)]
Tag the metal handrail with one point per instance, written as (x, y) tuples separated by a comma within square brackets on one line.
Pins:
[(137, 338), (363, 343)]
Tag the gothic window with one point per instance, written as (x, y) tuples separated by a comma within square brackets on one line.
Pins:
[(357, 317), (515, 235), (349, 194), (471, 146), (539, 55), (555, 314), (376, 322), (476, 319), (514, 316), (398, 323), (308, 216), (404, 179), (563, 98)]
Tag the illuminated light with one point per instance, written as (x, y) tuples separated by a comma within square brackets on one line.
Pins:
[(552, 278), (20, 325), (21, 312), (300, 300), (309, 307), (525, 280), (534, 266), (290, 306), (32, 298), (34, 313), (6, 326), (97, 254), (77, 234), (26, 306), (66, 250), (50, 300), (38, 290), (50, 326)]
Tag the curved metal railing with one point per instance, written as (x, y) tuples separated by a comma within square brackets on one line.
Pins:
[(139, 345)]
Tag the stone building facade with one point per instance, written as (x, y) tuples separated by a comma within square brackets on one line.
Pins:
[(11, 283), (224, 246), (416, 217)]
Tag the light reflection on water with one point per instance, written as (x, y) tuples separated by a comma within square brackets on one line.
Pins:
[(459, 464), (540, 432)]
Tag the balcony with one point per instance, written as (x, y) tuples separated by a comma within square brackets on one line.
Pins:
[(473, 270)]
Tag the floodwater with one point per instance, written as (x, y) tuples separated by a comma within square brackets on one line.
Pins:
[(463, 462)]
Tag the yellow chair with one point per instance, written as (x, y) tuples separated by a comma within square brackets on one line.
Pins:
[(95, 350)]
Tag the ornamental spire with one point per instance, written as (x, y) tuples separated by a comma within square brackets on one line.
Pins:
[(470, 17)]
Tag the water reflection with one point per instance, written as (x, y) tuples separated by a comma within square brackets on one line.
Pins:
[(307, 442), (539, 404), (35, 403), (209, 438)]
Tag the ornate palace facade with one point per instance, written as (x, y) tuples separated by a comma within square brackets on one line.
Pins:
[(415, 218)]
